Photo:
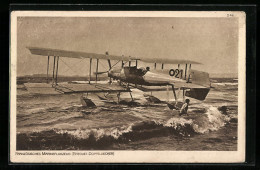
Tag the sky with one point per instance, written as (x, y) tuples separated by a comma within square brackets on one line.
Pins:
[(210, 41)]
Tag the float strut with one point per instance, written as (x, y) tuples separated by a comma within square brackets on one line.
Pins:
[(183, 93), (118, 98), (131, 96), (167, 93), (174, 93)]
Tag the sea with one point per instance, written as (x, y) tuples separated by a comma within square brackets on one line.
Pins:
[(61, 122)]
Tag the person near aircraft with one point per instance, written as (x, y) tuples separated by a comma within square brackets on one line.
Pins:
[(184, 108)]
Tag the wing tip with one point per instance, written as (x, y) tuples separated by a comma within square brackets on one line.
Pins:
[(198, 63), (31, 48)]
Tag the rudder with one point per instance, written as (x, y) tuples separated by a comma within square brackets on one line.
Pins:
[(199, 78), (202, 79)]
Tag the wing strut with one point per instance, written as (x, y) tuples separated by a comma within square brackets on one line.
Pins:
[(90, 63), (53, 71), (189, 74), (185, 71), (57, 69), (109, 64), (122, 62), (97, 70), (48, 69), (108, 60)]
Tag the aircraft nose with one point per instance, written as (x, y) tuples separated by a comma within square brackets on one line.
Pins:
[(114, 72), (111, 71)]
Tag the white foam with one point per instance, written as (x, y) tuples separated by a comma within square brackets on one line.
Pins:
[(97, 133), (174, 122), (215, 120)]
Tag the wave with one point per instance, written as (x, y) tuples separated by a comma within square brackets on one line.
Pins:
[(99, 138), (215, 120), (226, 84)]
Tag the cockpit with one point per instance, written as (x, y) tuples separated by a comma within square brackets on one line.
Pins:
[(137, 71)]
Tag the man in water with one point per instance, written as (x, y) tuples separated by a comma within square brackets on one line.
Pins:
[(184, 108)]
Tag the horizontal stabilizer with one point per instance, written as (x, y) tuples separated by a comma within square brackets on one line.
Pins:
[(199, 94)]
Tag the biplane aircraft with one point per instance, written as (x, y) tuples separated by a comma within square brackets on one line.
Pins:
[(193, 83)]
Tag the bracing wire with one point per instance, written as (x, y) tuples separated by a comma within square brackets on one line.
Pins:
[(115, 64), (69, 67)]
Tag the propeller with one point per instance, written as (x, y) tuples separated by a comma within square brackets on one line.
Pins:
[(110, 68)]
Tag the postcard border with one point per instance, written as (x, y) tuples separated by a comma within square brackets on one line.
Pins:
[(241, 87)]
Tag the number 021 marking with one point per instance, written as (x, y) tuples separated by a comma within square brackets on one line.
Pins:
[(177, 73)]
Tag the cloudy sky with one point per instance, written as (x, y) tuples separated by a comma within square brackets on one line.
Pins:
[(210, 41)]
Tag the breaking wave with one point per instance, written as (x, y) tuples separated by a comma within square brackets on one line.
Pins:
[(100, 138)]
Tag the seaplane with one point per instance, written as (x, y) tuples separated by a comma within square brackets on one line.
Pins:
[(193, 83)]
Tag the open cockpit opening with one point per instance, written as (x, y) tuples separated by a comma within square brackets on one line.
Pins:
[(137, 71)]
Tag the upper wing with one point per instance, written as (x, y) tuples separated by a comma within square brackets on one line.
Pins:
[(77, 54), (73, 54), (166, 61)]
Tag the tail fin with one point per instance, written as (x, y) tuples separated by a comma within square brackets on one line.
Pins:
[(199, 78)]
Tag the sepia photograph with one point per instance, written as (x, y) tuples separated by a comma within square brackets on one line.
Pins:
[(127, 86)]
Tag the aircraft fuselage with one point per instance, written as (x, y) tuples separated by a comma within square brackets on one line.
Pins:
[(140, 76)]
